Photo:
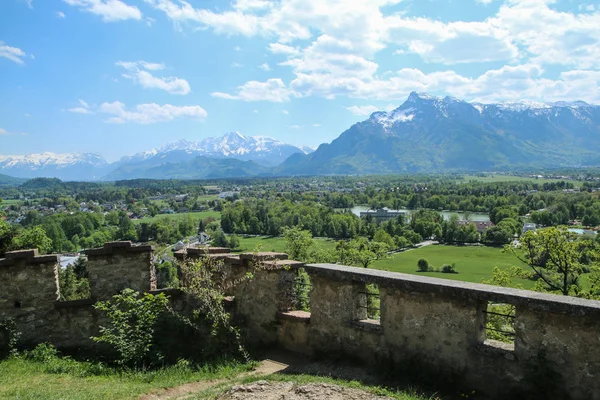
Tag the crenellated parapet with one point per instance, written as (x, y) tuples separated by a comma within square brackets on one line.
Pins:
[(29, 290), (119, 265)]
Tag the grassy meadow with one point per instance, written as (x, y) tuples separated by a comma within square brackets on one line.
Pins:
[(26, 379), (473, 263), (276, 243), (179, 216), (512, 178)]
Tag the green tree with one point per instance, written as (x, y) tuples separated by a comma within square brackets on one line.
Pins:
[(7, 234), (556, 258), (423, 265), (32, 238), (219, 239), (297, 243)]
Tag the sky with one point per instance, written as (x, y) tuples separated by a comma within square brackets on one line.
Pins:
[(116, 77)]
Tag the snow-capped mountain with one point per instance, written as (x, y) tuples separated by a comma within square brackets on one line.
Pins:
[(434, 133), (264, 150), (67, 166)]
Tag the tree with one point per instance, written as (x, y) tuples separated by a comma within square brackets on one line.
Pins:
[(556, 258), (32, 238), (234, 241), (219, 239), (423, 265), (7, 234), (297, 243), (497, 235)]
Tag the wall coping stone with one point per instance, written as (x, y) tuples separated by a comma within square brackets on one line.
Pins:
[(111, 248), (29, 256), (264, 256), (297, 315), (455, 289)]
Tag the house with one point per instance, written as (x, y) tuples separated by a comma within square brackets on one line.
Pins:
[(382, 214), (481, 226), (529, 227), (203, 238)]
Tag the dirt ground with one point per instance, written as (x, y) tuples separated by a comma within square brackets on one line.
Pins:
[(263, 390)]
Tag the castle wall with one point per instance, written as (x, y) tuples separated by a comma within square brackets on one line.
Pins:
[(430, 329)]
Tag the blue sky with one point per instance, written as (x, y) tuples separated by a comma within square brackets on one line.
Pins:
[(121, 76)]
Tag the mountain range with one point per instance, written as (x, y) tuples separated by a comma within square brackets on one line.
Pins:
[(425, 133), (428, 133)]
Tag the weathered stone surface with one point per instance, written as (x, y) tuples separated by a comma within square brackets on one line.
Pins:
[(119, 265), (429, 328)]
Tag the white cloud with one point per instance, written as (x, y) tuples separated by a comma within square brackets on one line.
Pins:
[(237, 48), (286, 112), (237, 65), (264, 67), (84, 108), (278, 48), (316, 125), (484, 1), (80, 110), (255, 111), (332, 48), (29, 3), (12, 53), (296, 126), (108, 10), (4, 132), (362, 110), (149, 113), (273, 90), (60, 14), (138, 72)]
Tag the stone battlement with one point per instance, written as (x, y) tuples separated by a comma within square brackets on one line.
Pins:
[(429, 328)]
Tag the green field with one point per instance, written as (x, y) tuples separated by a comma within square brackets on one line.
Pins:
[(473, 263), (512, 178), (6, 203), (277, 244), (180, 216), (58, 379)]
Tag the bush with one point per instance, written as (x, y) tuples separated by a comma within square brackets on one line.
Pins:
[(449, 269), (423, 265), (9, 337), (132, 320)]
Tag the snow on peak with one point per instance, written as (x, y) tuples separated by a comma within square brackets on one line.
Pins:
[(522, 105), (398, 115), (34, 161)]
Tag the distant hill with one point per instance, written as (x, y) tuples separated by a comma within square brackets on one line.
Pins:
[(428, 133), (6, 180), (197, 168)]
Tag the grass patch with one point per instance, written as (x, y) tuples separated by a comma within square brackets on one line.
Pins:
[(179, 216), (473, 263), (512, 178), (63, 378), (215, 392), (277, 243)]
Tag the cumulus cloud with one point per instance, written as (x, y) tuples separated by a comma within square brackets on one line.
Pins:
[(369, 109), (60, 15), (140, 73), (332, 48), (273, 90), (108, 10), (12, 53), (265, 67), (149, 113)]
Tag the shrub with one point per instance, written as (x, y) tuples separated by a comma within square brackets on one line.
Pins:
[(9, 337), (423, 265), (132, 320), (449, 269)]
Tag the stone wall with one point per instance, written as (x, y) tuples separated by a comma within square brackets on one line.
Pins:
[(430, 329)]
